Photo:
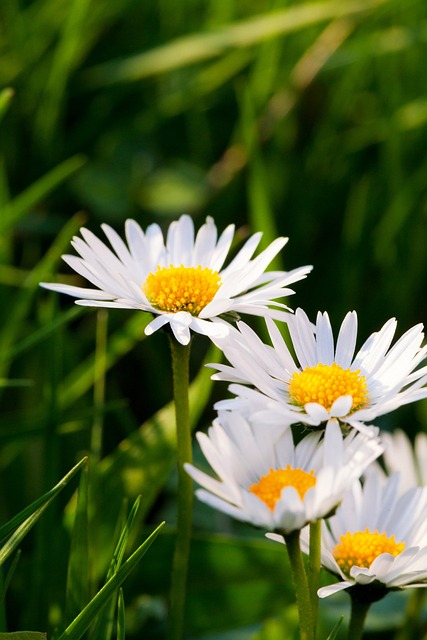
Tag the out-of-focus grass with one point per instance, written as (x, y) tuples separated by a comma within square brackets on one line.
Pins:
[(302, 119)]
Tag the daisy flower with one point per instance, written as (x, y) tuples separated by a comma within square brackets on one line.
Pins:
[(267, 480), (325, 380), (377, 539), (409, 460), (181, 280)]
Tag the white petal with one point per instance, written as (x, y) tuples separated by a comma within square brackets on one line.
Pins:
[(346, 342), (180, 241), (324, 592), (157, 323), (78, 292), (324, 339), (317, 412), (341, 406), (303, 339)]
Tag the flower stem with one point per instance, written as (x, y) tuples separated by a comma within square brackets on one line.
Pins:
[(302, 590), (180, 370), (411, 624), (314, 567), (359, 610)]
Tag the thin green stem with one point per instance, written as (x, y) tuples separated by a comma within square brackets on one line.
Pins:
[(180, 369), (302, 590), (359, 610), (314, 567), (100, 368), (411, 624)]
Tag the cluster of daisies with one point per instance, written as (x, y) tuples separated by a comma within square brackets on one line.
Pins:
[(266, 470)]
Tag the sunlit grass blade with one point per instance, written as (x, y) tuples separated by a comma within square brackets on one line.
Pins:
[(335, 630), (104, 624), (6, 96), (9, 575), (78, 627), (120, 549), (121, 625), (194, 48), (78, 579), (23, 521)]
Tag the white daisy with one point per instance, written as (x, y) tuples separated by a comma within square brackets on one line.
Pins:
[(181, 281), (377, 538), (264, 479), (409, 460), (326, 380)]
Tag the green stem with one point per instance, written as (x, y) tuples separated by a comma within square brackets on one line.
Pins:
[(180, 369), (359, 610), (302, 590), (100, 368), (314, 567), (411, 624)]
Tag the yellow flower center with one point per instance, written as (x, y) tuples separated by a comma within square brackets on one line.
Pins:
[(269, 487), (361, 548), (324, 383), (174, 289)]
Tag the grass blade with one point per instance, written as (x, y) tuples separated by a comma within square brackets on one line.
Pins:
[(335, 630), (5, 99), (121, 634), (28, 516), (77, 589), (198, 47), (78, 627), (104, 627)]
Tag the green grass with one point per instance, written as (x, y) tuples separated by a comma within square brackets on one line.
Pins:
[(301, 119)]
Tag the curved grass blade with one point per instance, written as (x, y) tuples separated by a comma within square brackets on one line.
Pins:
[(104, 625), (78, 627), (121, 632), (6, 96), (198, 47), (24, 520), (78, 581), (335, 630)]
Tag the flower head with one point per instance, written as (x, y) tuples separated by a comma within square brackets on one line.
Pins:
[(267, 480), (407, 459), (182, 281), (325, 380), (377, 538)]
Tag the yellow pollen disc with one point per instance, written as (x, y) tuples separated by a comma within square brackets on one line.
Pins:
[(324, 383), (269, 487), (361, 548), (174, 289)]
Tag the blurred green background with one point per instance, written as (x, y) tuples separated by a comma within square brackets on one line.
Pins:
[(301, 119)]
